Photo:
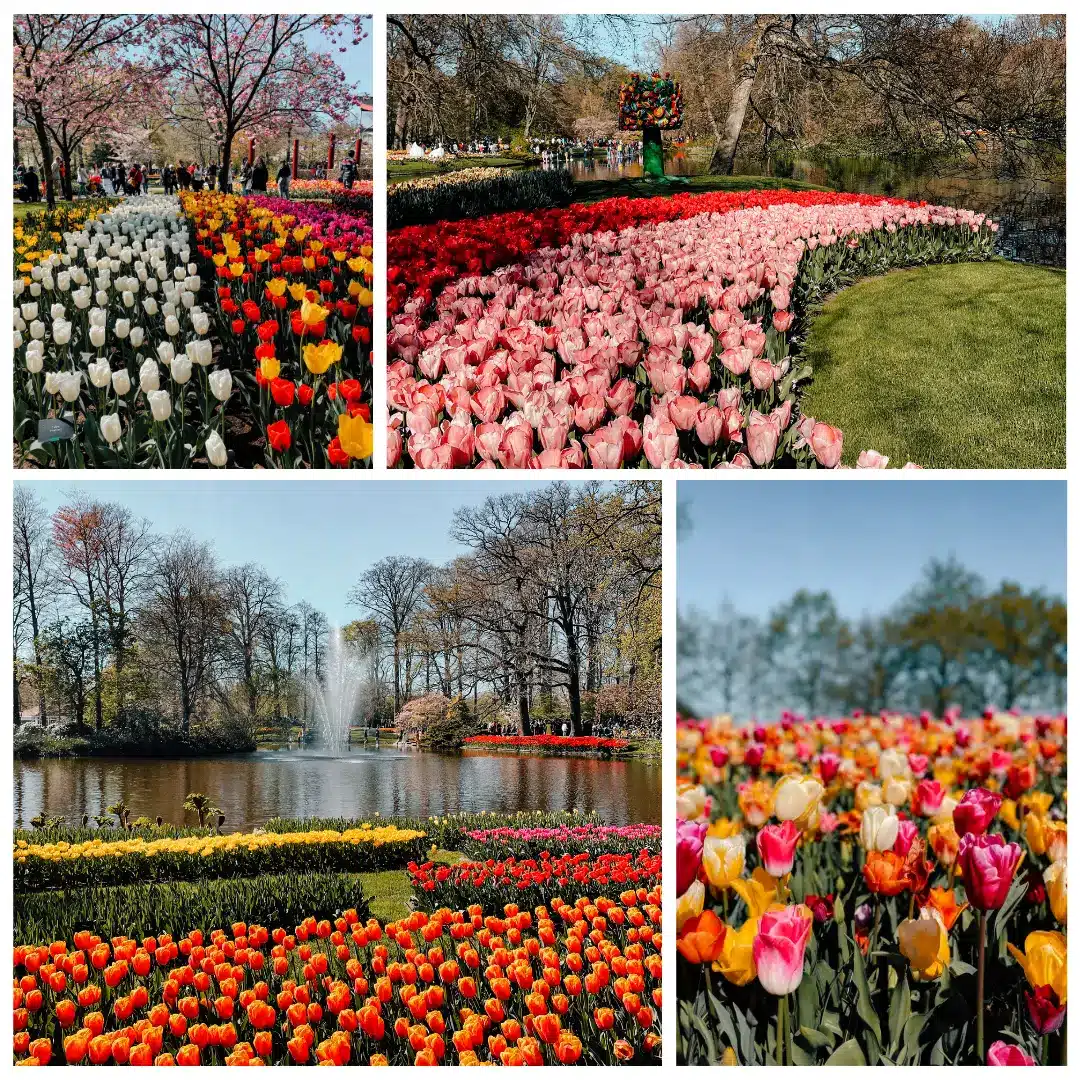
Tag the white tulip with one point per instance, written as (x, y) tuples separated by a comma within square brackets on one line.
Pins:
[(149, 377), (70, 385), (187, 301), (81, 298), (200, 352), (61, 331), (200, 322), (221, 384), (98, 316), (110, 428), (137, 334), (101, 297), (97, 336), (35, 288), (17, 321), (150, 306), (100, 373), (121, 381), (181, 369), (17, 286), (37, 329), (172, 326), (63, 281), (122, 328), (879, 828), (160, 405), (52, 382), (128, 297), (57, 311), (34, 362), (29, 312), (215, 450), (165, 352), (17, 340)]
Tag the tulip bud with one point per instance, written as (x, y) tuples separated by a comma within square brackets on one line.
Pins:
[(221, 384), (137, 335), (122, 328), (172, 325), (160, 405), (70, 385), (34, 362), (110, 428), (121, 381), (149, 376), (97, 336), (100, 373), (215, 450)]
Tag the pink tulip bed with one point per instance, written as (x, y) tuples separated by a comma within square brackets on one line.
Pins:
[(660, 333)]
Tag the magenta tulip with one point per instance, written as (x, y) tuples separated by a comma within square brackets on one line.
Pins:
[(780, 948)]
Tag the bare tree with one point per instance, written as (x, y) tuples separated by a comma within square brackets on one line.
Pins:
[(33, 579)]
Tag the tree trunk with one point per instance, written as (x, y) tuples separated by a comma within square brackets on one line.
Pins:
[(224, 181), (573, 673), (17, 699), (46, 157), (723, 158), (397, 677), (65, 182), (524, 719)]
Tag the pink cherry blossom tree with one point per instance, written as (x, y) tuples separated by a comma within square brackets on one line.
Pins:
[(254, 73), (64, 73)]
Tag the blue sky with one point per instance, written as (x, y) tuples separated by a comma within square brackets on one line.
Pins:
[(756, 542), (316, 536), (356, 61)]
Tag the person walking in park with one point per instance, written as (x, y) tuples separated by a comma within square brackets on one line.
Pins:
[(348, 172), (245, 177), (259, 176), (284, 175), (31, 189)]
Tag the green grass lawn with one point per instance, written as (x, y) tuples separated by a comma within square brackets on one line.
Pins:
[(390, 892), (412, 170), (587, 191), (958, 366)]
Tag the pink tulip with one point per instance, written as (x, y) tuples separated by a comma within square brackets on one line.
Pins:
[(762, 437), (393, 445), (683, 411), (661, 442), (689, 843), (605, 448), (927, 797), (829, 766), (780, 948), (871, 459), (906, 832), (975, 811), (620, 398), (1002, 1053), (776, 846), (709, 426), (827, 442), (988, 865), (589, 412), (782, 321), (516, 447)]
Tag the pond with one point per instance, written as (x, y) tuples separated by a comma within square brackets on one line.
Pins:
[(252, 788), (1031, 212)]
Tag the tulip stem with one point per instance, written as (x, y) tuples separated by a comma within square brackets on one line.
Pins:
[(980, 980), (781, 1028)]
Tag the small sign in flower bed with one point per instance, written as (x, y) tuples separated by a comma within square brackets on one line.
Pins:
[(552, 745)]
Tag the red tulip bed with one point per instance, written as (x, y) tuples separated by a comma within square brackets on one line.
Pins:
[(657, 333), (547, 744)]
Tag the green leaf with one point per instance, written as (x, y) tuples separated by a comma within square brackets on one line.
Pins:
[(899, 1012), (816, 1039), (864, 1006), (848, 1054), (959, 967)]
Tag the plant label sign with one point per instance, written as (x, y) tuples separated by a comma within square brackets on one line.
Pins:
[(50, 430)]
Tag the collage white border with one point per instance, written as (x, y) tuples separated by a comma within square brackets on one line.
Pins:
[(670, 481)]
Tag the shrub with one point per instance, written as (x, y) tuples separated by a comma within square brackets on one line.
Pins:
[(473, 192), (177, 907)]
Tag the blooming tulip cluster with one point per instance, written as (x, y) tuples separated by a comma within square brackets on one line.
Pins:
[(845, 883), (554, 743), (562, 984), (143, 337), (662, 342)]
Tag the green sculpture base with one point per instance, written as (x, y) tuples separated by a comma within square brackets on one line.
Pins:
[(653, 152)]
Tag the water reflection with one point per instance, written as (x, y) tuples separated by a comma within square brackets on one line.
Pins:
[(1031, 212), (251, 788)]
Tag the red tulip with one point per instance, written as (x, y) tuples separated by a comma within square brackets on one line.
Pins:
[(975, 811), (988, 865), (279, 436)]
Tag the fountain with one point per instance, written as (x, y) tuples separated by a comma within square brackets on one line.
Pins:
[(337, 696)]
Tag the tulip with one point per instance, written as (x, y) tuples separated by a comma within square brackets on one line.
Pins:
[(100, 373), (975, 811), (220, 383), (1056, 879), (160, 405), (1001, 1053), (780, 947), (879, 828), (723, 859), (689, 843), (110, 428), (1044, 961), (736, 960), (776, 847), (690, 904), (1045, 1010), (149, 377), (988, 865), (215, 450), (925, 944), (121, 382), (701, 939), (70, 385), (798, 799)]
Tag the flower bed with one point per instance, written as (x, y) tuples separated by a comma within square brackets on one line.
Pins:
[(331, 189), (136, 356), (472, 192), (546, 744), (534, 881), (907, 905), (108, 862), (540, 843), (560, 985), (658, 332), (38, 234)]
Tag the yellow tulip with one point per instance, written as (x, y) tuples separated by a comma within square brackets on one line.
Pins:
[(1035, 830), (298, 290), (1056, 879), (316, 246), (723, 859), (867, 794), (756, 802), (724, 827), (219, 258), (276, 286), (736, 961), (237, 269), (690, 904), (691, 803), (318, 358), (355, 434), (313, 314), (758, 893), (270, 367), (730, 1057), (925, 944), (1044, 961)]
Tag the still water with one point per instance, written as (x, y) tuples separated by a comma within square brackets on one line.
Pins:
[(1031, 212), (252, 788)]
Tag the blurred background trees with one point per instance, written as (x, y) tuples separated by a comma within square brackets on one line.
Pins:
[(952, 639)]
